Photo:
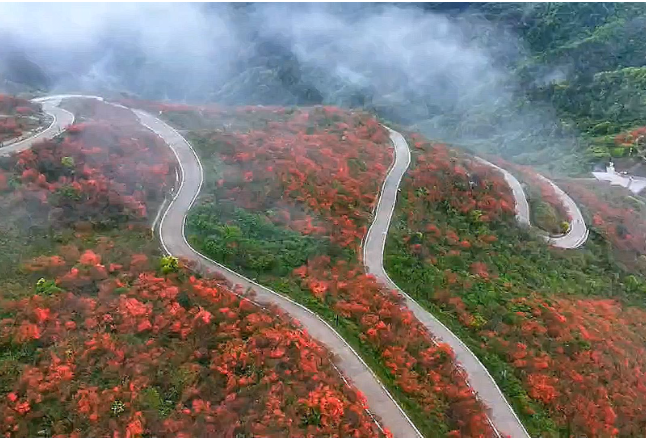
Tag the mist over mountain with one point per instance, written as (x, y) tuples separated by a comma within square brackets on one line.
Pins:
[(258, 53), (482, 75)]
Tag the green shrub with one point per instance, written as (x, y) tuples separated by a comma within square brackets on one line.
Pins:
[(47, 287), (168, 264)]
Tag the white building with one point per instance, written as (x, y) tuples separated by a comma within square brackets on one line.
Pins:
[(633, 183)]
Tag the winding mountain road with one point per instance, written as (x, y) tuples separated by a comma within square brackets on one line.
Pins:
[(502, 417), (171, 231), (578, 233)]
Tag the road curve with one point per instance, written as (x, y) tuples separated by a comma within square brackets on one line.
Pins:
[(502, 416), (62, 118), (578, 233), (171, 231)]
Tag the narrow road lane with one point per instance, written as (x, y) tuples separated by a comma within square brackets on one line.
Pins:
[(503, 417), (578, 233), (171, 229)]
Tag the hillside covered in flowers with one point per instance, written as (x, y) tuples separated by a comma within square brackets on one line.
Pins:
[(561, 331), (100, 335), (18, 116), (287, 200)]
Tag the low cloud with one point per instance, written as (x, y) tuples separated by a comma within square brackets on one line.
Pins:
[(446, 73)]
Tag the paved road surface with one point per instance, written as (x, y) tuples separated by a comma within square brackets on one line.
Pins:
[(502, 415), (578, 233), (172, 236)]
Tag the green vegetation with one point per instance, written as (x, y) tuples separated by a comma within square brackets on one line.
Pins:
[(168, 264), (545, 216), (68, 162), (250, 243), (586, 60), (47, 287), (482, 283)]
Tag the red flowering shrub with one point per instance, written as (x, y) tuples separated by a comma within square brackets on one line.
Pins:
[(16, 116), (573, 360), (423, 369), (10, 105), (297, 175), (98, 173), (612, 213), (319, 171), (631, 139), (441, 175), (585, 357), (131, 354)]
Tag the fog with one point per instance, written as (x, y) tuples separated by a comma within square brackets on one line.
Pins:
[(141, 48), (445, 73)]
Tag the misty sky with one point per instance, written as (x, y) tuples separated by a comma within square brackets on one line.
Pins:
[(410, 65), (387, 48)]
